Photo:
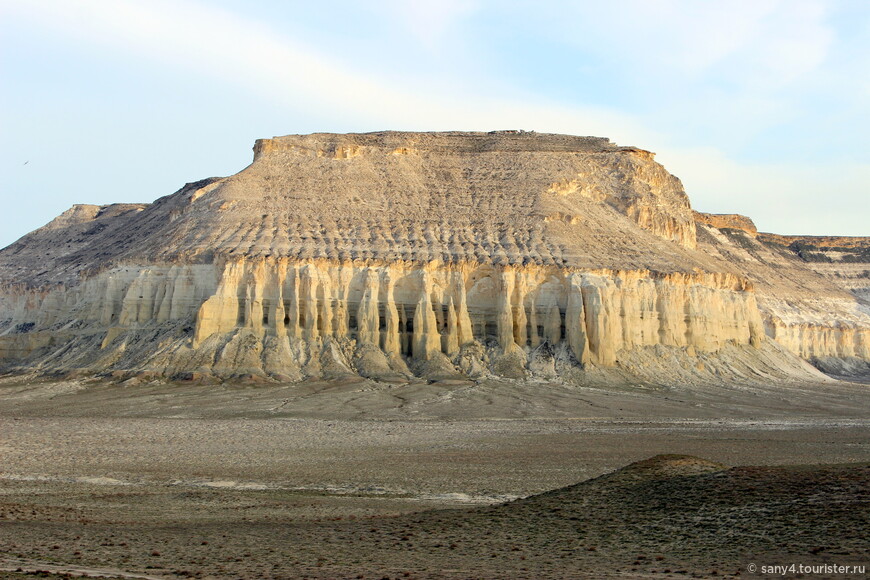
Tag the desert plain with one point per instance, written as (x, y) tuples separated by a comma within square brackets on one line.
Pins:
[(359, 479)]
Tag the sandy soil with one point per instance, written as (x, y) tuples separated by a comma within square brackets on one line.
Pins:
[(232, 481)]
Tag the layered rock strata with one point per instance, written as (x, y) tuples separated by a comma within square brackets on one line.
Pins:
[(813, 293), (389, 255), (733, 221), (400, 311)]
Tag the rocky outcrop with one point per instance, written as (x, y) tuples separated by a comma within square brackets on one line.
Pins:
[(812, 292), (394, 255), (843, 261), (733, 221), (406, 311), (856, 246)]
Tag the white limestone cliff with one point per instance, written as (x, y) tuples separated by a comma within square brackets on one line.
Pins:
[(812, 292), (444, 255), (444, 307)]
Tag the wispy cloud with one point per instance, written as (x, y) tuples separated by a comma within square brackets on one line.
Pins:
[(250, 54), (750, 53), (773, 41), (783, 198), (210, 41), (430, 23)]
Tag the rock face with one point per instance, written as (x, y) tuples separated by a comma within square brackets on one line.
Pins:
[(733, 221), (814, 293), (442, 255)]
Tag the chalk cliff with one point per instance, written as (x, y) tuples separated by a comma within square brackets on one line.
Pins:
[(437, 255)]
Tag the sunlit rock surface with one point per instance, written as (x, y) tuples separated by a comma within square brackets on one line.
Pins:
[(437, 255)]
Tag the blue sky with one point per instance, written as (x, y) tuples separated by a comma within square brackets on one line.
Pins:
[(760, 107)]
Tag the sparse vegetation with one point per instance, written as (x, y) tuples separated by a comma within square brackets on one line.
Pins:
[(670, 512), (740, 238)]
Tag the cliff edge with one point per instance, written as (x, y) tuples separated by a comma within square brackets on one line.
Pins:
[(438, 255)]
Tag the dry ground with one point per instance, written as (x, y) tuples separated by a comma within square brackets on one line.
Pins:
[(253, 481)]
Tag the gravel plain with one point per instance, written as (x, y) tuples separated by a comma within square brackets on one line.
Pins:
[(254, 481)]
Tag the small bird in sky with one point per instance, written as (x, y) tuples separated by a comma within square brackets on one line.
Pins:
[(26, 162)]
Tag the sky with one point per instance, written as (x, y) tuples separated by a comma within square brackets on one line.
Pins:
[(760, 107)]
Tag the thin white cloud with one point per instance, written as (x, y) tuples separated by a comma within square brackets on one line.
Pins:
[(208, 40), (795, 41), (429, 21), (780, 197), (758, 42), (253, 55)]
